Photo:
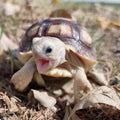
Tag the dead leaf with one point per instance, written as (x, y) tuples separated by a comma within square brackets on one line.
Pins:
[(107, 24), (103, 94), (55, 1), (6, 44), (62, 13), (10, 9), (98, 77), (103, 23), (42, 97), (10, 102)]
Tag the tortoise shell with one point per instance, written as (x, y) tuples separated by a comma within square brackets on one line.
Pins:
[(68, 31)]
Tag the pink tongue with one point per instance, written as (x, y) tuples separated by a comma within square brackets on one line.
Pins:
[(44, 65), (43, 62)]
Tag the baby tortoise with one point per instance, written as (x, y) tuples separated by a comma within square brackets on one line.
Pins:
[(56, 47)]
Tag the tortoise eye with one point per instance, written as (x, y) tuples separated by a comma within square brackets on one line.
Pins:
[(48, 50)]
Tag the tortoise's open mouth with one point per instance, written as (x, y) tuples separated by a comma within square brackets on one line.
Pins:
[(44, 65), (43, 62)]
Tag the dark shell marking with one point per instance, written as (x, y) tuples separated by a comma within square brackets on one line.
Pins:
[(69, 32)]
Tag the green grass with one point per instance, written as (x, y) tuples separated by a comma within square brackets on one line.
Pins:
[(84, 5), (1, 30)]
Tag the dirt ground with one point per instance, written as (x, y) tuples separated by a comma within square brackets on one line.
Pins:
[(103, 24)]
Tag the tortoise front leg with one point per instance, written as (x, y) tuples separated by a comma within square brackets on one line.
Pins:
[(81, 83), (23, 77)]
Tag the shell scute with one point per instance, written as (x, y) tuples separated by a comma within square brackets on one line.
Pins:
[(85, 37), (60, 30), (33, 31)]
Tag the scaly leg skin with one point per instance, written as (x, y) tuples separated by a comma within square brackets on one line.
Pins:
[(38, 78), (81, 84), (23, 77)]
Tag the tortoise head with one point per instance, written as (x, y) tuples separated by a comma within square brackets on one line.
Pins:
[(48, 52)]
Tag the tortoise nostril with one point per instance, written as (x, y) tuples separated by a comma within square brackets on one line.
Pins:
[(48, 50)]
